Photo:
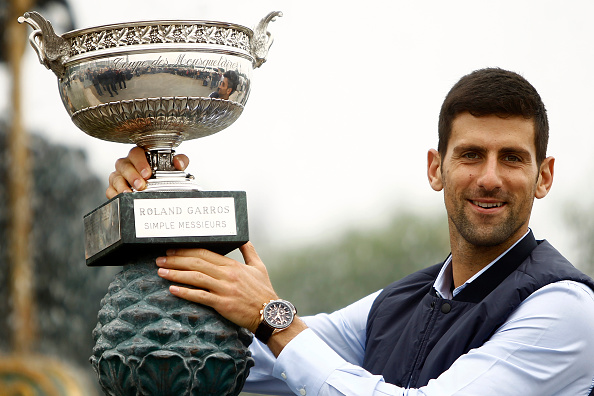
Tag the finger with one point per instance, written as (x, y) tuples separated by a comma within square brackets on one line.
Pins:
[(201, 254), (250, 256), (181, 161), (112, 192), (195, 295), (118, 183), (190, 278), (190, 264), (137, 158), (131, 176)]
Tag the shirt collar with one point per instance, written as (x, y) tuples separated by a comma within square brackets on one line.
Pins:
[(444, 281)]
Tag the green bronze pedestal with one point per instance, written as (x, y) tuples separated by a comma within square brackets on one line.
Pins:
[(149, 342)]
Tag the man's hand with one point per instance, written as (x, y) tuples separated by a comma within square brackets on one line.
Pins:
[(237, 291), (134, 170)]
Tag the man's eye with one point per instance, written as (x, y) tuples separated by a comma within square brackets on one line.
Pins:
[(470, 155), (512, 158)]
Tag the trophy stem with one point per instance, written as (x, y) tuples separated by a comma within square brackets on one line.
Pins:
[(165, 177), (160, 159)]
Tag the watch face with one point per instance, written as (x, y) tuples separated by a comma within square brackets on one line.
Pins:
[(278, 314)]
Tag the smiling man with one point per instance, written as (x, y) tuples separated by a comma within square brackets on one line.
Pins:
[(490, 175), (504, 314)]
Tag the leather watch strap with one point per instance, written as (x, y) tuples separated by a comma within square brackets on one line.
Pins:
[(264, 331)]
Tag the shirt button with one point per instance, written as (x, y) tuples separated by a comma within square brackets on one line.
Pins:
[(284, 375), (302, 391), (446, 308)]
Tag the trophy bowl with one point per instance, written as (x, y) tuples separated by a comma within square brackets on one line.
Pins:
[(155, 83)]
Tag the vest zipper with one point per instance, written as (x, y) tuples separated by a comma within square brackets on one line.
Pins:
[(428, 329)]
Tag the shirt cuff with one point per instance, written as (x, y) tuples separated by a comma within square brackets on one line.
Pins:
[(305, 363)]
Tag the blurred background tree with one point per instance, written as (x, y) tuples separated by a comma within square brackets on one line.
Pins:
[(65, 291), (49, 297), (331, 275), (580, 220)]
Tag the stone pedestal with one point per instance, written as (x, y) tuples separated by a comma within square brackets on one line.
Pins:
[(135, 223)]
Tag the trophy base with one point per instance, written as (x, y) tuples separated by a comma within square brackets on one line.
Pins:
[(142, 222), (170, 181)]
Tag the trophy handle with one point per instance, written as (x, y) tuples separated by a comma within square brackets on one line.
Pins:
[(52, 50), (263, 38)]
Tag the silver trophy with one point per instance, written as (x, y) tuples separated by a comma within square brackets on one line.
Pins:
[(156, 84), (153, 84)]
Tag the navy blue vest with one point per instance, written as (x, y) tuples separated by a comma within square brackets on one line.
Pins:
[(413, 335)]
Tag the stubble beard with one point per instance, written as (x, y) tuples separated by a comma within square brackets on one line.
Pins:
[(484, 234), (483, 231)]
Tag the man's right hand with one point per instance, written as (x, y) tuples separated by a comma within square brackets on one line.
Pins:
[(134, 170)]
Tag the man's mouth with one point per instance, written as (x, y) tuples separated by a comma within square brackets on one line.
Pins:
[(488, 205)]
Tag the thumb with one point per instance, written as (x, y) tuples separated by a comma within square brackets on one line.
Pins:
[(250, 256), (181, 161)]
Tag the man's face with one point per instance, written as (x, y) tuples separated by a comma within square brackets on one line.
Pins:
[(224, 90), (490, 178)]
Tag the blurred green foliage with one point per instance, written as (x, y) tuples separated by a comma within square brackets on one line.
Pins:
[(580, 224), (330, 275)]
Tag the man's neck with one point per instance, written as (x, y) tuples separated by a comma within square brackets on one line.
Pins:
[(468, 259)]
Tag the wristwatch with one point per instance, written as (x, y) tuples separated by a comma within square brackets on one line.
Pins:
[(276, 315)]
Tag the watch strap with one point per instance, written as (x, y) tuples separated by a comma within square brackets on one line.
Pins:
[(264, 331)]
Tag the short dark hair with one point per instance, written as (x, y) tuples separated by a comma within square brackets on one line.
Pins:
[(233, 79), (494, 91)]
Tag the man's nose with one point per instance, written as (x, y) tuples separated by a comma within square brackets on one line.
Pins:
[(490, 176)]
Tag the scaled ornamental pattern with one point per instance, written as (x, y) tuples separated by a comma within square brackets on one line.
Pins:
[(149, 342), (157, 34)]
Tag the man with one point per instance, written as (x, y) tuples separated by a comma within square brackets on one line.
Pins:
[(503, 315), (227, 86)]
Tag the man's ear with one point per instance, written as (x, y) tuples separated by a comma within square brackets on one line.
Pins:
[(434, 170), (545, 177)]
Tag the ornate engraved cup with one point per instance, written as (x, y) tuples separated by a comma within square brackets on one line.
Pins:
[(156, 84), (153, 84)]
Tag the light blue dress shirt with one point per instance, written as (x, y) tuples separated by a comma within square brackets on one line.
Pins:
[(546, 347)]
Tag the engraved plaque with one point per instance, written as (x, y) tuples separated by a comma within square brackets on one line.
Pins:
[(184, 217)]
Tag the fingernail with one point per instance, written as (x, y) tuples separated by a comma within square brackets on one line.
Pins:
[(173, 289), (161, 260), (145, 173), (163, 271), (138, 184)]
